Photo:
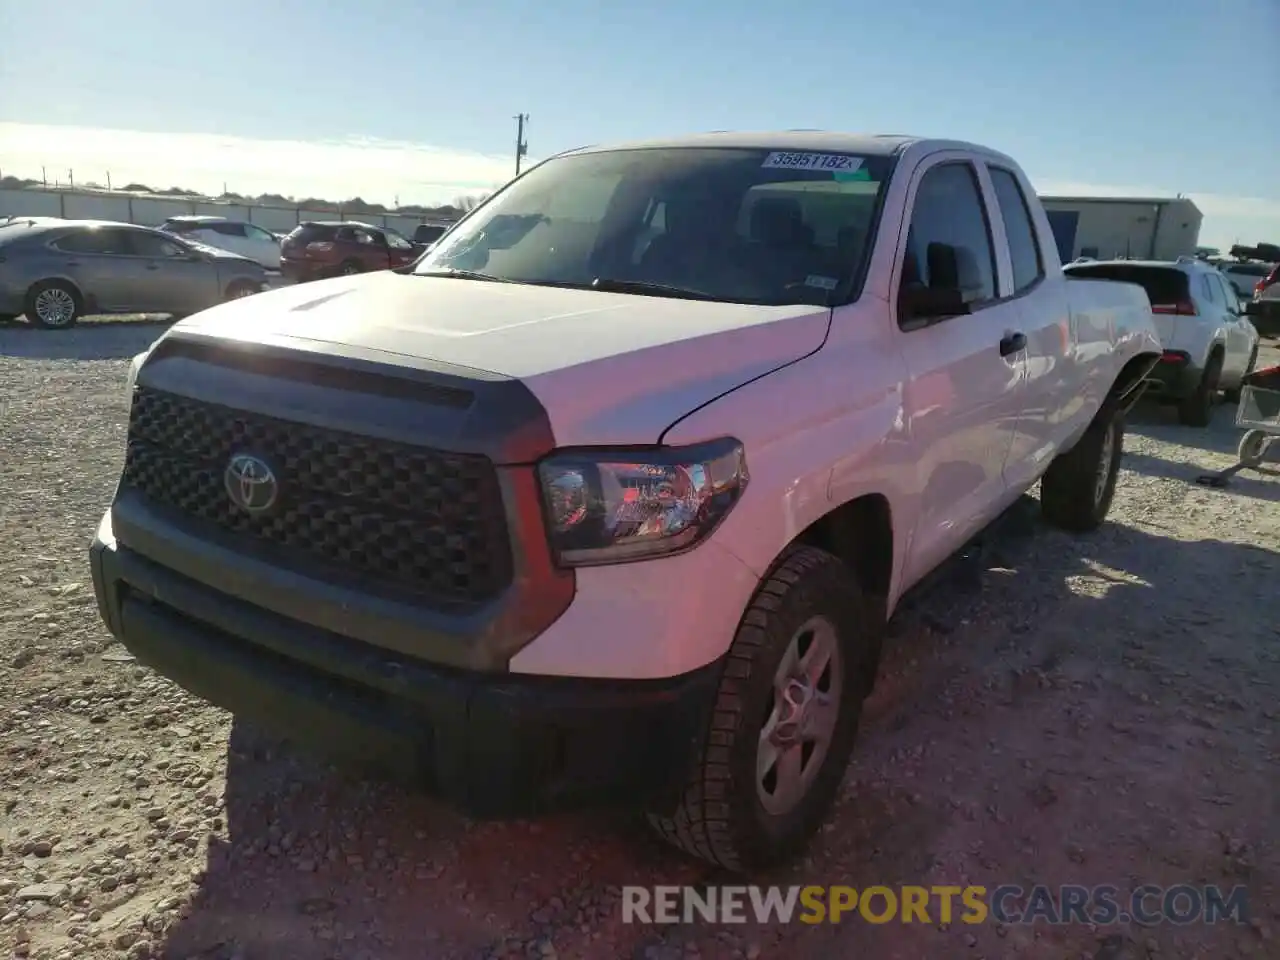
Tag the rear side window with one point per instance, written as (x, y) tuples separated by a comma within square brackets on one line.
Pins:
[(428, 234), (311, 233), (95, 240), (1024, 249), (1164, 286), (1211, 291), (226, 229), (181, 226)]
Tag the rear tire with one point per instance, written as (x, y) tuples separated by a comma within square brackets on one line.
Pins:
[(768, 772), (53, 305), (350, 269), (1197, 409), (1077, 489)]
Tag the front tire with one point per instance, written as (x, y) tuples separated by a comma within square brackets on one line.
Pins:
[(1077, 489), (784, 721), (53, 305), (242, 288), (1233, 395)]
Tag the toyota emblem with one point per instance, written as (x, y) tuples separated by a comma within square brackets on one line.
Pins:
[(251, 484)]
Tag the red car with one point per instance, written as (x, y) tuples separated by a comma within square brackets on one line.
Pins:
[(317, 249)]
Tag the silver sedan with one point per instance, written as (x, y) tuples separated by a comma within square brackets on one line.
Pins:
[(55, 271)]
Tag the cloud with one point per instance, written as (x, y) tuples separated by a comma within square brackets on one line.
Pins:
[(376, 170), (381, 171)]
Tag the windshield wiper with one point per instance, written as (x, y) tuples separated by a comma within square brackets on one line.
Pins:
[(463, 275), (609, 285)]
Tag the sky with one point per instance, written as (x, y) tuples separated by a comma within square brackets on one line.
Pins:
[(415, 101)]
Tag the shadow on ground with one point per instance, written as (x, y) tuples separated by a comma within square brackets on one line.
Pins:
[(108, 338), (318, 865), (1219, 441)]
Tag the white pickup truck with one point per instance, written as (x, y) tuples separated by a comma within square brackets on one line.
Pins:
[(610, 494)]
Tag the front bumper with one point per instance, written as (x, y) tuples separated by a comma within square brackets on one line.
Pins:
[(491, 744)]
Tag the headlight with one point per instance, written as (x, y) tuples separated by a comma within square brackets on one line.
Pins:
[(612, 505)]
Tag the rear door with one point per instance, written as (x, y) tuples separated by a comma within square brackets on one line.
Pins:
[(374, 252), (1043, 315), (228, 235), (963, 392), (98, 260), (261, 246), (1240, 331)]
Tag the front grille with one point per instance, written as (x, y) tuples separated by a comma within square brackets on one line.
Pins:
[(354, 507)]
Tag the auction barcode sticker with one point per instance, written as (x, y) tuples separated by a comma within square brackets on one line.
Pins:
[(836, 162)]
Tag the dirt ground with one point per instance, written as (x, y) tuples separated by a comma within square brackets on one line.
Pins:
[(1096, 710)]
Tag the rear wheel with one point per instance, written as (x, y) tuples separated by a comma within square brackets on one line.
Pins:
[(350, 269), (53, 305), (1196, 410), (1077, 489), (784, 721)]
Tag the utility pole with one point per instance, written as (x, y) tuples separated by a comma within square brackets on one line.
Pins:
[(522, 147)]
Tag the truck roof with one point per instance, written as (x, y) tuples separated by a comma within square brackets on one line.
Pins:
[(868, 144)]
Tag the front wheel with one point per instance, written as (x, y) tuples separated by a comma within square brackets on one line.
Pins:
[(784, 721), (242, 288), (1077, 489), (1233, 395), (53, 305)]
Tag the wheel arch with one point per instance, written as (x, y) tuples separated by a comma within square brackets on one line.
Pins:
[(860, 532)]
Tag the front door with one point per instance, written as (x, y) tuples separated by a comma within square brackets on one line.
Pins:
[(963, 393), (176, 279)]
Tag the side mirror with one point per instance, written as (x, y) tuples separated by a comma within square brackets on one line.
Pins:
[(920, 303), (1252, 308)]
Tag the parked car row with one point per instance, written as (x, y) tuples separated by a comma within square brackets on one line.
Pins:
[(54, 271)]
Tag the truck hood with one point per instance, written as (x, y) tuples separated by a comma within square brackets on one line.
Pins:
[(609, 368)]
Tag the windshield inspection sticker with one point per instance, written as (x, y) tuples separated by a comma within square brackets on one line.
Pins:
[(822, 283), (835, 162)]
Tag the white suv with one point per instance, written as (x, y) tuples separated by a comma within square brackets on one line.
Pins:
[(247, 239), (1209, 344)]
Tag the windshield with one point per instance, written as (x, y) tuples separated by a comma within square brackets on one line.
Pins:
[(748, 226)]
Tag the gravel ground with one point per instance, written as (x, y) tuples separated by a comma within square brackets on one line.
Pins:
[(1055, 710)]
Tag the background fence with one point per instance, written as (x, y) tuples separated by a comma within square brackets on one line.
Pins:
[(152, 210)]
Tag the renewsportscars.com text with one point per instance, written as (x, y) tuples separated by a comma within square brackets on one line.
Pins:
[(1007, 904)]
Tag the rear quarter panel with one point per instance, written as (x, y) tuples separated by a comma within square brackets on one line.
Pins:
[(1111, 324)]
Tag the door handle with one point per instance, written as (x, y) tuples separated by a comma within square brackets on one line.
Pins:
[(1012, 343), (153, 266), (72, 263)]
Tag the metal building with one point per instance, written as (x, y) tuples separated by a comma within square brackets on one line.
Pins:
[(1148, 228)]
